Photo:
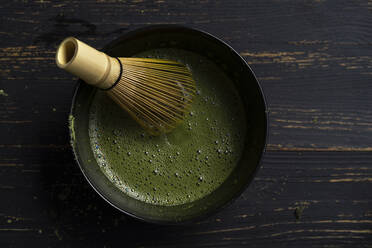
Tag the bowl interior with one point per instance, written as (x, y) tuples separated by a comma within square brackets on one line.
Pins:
[(255, 109)]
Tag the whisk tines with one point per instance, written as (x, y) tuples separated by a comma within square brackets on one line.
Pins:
[(156, 93)]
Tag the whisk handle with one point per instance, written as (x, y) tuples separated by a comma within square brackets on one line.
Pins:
[(92, 66)]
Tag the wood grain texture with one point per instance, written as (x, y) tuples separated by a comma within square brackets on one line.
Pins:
[(55, 206), (313, 59)]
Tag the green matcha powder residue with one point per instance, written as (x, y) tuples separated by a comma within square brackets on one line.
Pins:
[(3, 93)]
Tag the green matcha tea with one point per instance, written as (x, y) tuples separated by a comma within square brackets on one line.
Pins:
[(184, 165)]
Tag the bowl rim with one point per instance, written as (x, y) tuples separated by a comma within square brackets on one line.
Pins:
[(211, 212)]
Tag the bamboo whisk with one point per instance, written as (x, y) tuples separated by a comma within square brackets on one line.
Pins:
[(156, 93)]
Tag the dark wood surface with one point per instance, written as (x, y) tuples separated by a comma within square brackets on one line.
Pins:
[(314, 61)]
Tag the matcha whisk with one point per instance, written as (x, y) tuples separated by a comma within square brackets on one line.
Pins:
[(156, 93)]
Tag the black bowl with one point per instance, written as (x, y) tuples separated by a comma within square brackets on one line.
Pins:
[(255, 109)]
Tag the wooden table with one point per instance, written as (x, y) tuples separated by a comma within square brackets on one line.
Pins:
[(314, 61)]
